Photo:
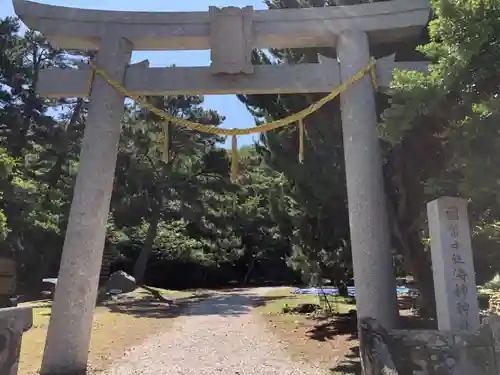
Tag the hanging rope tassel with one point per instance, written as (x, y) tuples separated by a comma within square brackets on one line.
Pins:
[(234, 158), (373, 72), (166, 142), (90, 84), (301, 141)]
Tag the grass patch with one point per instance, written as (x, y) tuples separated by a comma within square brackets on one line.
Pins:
[(327, 340), (118, 325), (279, 298)]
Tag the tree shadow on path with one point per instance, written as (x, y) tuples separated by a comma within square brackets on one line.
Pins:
[(330, 329), (340, 324), (351, 364), (220, 304)]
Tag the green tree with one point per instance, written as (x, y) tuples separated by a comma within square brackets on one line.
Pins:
[(314, 200), (31, 203), (162, 191), (452, 127), (438, 134)]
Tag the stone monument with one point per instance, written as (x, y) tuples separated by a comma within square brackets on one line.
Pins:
[(14, 321), (231, 34), (453, 268), (462, 345)]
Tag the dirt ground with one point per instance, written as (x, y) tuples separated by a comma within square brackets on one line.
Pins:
[(220, 335), (325, 341), (118, 325), (330, 342)]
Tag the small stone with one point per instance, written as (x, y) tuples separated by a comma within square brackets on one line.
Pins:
[(121, 281)]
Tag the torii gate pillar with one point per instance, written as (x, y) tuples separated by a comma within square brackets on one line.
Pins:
[(68, 337), (370, 235)]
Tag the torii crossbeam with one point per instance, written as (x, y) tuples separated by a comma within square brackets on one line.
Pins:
[(384, 22), (142, 80)]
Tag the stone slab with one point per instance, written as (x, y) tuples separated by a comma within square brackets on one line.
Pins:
[(494, 323), (268, 79), (74, 28), (14, 322), (233, 26), (23, 316), (452, 264), (426, 352)]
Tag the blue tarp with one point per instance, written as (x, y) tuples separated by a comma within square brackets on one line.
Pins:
[(329, 291), (335, 291)]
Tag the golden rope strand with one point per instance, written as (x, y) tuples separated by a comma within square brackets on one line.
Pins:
[(301, 141), (234, 158), (91, 82), (166, 142), (258, 129), (373, 72)]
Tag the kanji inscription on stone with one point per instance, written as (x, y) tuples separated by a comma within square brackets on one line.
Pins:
[(452, 263)]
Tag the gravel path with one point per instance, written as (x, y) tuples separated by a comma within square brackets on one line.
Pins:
[(218, 336)]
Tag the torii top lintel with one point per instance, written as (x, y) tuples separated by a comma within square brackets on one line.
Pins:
[(75, 28)]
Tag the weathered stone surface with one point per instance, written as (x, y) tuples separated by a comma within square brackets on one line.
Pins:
[(266, 79), (370, 235), (233, 26), (13, 323), (452, 264), (493, 322), (121, 281), (400, 352), (279, 28), (376, 348), (70, 327)]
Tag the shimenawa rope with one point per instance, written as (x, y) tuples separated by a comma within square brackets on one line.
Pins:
[(294, 118)]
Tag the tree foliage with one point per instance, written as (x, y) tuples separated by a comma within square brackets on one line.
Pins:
[(437, 134), (183, 223), (178, 223)]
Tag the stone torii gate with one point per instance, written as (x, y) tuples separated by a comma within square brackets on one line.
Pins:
[(231, 34)]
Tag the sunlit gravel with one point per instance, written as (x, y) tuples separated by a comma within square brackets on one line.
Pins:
[(218, 335)]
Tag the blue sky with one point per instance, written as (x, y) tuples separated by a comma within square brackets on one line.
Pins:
[(228, 105)]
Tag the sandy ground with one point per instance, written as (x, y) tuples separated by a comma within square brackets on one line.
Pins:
[(218, 335)]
